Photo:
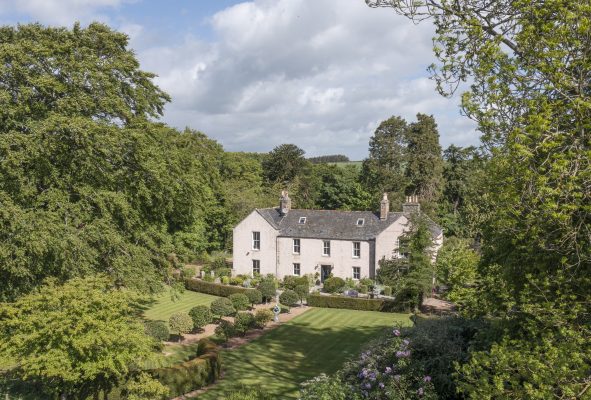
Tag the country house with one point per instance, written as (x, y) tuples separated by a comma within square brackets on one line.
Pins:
[(348, 244)]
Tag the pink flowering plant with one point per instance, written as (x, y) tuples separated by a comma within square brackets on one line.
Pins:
[(385, 370)]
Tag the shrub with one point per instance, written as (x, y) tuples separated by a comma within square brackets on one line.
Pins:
[(225, 330), (289, 298), (363, 289), (222, 307), (157, 329), (180, 323), (188, 272), (243, 322), (291, 281), (268, 290), (387, 291), (254, 296), (236, 280), (208, 278), (193, 374), (198, 285), (240, 301), (223, 272), (262, 317), (302, 291), (201, 316), (366, 281), (352, 303), (225, 280), (334, 285), (323, 387), (248, 394)]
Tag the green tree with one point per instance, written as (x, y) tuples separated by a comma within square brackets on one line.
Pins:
[(383, 170), (289, 298), (424, 168), (88, 182), (457, 268), (528, 67), (284, 163), (76, 340), (411, 274), (144, 387), (240, 301), (222, 307), (340, 189)]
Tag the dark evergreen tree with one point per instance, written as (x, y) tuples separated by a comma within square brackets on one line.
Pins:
[(284, 163), (383, 170), (424, 169)]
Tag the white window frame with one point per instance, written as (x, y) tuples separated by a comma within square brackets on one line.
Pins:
[(302, 220), (358, 273), (256, 264), (299, 269), (357, 251), (325, 247), (298, 246), (360, 222), (398, 253), (256, 240)]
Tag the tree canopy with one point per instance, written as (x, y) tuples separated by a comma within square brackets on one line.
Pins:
[(75, 340)]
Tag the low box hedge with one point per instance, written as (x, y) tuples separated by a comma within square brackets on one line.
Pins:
[(352, 303), (193, 374), (198, 285)]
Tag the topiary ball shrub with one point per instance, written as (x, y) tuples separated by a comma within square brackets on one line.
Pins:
[(289, 298), (254, 296), (387, 291), (268, 290), (262, 317), (201, 316), (302, 291), (334, 285), (225, 330), (157, 329), (243, 322), (240, 301), (180, 323), (222, 307)]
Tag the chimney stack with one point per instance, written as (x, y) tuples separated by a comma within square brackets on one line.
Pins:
[(284, 203), (384, 207), (411, 205)]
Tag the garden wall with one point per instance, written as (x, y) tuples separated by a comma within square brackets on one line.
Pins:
[(352, 303), (216, 289)]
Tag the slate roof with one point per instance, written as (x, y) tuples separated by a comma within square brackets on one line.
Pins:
[(331, 224)]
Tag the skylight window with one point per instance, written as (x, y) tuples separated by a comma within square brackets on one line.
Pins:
[(302, 220), (360, 222)]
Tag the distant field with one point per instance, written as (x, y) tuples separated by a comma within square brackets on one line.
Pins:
[(163, 306), (320, 340), (356, 164)]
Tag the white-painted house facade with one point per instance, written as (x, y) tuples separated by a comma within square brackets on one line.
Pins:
[(348, 244)]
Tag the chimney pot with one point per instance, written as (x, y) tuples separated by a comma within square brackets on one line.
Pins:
[(384, 207)]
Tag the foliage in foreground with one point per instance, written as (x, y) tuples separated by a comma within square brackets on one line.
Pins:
[(74, 340)]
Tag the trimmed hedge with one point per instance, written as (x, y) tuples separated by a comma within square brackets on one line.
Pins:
[(193, 374), (352, 303), (198, 285)]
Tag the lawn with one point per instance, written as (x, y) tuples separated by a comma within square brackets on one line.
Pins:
[(320, 340), (163, 306)]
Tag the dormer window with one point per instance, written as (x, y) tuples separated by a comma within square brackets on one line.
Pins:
[(302, 220), (360, 222)]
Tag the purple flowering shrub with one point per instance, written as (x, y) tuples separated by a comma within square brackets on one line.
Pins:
[(386, 370)]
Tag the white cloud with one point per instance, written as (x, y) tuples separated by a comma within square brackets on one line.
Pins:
[(321, 74)]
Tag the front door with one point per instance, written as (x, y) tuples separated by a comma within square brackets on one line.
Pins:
[(325, 272)]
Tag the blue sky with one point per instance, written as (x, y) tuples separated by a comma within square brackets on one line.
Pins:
[(254, 74)]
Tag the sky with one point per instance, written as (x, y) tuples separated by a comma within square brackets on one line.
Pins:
[(252, 75)]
